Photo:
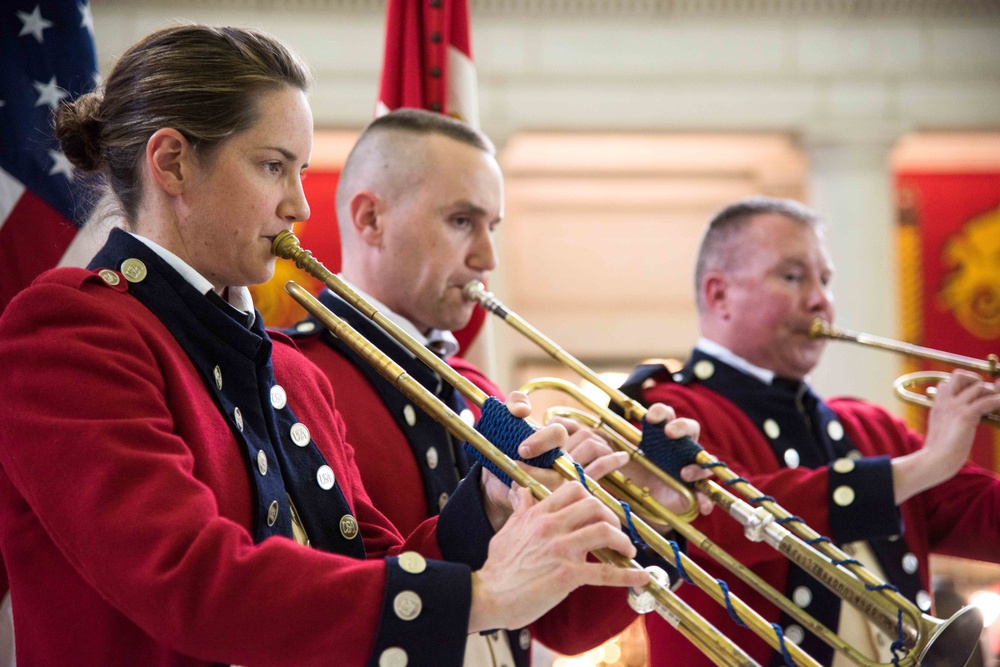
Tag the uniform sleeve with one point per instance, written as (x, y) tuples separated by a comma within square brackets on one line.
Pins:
[(958, 515), (114, 491)]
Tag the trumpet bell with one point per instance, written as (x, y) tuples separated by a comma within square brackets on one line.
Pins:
[(955, 640)]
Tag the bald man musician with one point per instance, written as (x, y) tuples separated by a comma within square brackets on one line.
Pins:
[(418, 201), (852, 471)]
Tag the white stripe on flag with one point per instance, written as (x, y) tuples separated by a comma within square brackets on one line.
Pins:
[(463, 91), (11, 190)]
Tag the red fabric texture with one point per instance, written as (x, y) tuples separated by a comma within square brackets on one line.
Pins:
[(147, 558), (417, 37), (951, 518), (589, 616)]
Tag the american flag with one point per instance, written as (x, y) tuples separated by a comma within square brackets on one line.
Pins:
[(47, 56)]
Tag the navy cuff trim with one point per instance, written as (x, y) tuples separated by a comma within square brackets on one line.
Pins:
[(425, 613), (463, 530), (862, 503)]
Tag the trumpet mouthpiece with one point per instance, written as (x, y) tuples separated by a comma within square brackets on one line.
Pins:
[(819, 328), (284, 245), (474, 290)]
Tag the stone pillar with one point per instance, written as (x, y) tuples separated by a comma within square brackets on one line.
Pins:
[(850, 184)]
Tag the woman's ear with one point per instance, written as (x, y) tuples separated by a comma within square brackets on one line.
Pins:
[(169, 159)]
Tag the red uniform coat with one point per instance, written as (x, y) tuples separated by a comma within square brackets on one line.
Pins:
[(126, 504), (960, 517), (393, 479)]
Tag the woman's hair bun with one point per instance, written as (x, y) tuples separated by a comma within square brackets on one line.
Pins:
[(78, 127)]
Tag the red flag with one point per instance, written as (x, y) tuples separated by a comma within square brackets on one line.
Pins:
[(47, 56), (428, 65), (949, 235), (428, 59)]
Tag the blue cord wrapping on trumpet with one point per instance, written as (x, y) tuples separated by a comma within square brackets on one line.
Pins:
[(669, 454), (898, 647), (506, 431)]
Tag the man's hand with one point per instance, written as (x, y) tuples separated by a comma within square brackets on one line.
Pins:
[(959, 404), (593, 452), (540, 556), (497, 496)]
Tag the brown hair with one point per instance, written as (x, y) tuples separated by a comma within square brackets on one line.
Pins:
[(387, 145), (200, 80), (717, 250)]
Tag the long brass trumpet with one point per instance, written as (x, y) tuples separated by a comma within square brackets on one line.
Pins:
[(709, 640), (928, 641), (906, 386)]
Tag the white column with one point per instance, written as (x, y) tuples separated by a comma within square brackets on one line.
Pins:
[(850, 185)]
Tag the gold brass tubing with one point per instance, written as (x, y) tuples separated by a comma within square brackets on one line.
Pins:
[(905, 385), (786, 543), (820, 328), (620, 481), (935, 642), (688, 622), (285, 245)]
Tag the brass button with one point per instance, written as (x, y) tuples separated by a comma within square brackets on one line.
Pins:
[(409, 414), (134, 270), (393, 657), (924, 600), (678, 377), (795, 634), (109, 276), (835, 430), (238, 416), (771, 429), (910, 563), (704, 369), (792, 458), (412, 562), (802, 596), (272, 513), (348, 527), (468, 417), (843, 496), (300, 434), (442, 499), (524, 639), (278, 397), (217, 374), (432, 458), (325, 478), (407, 605), (262, 462), (843, 466), (305, 327)]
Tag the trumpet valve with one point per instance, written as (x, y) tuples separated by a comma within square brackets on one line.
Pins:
[(640, 599)]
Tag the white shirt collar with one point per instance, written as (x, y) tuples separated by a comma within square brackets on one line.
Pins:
[(239, 297), (444, 339), (726, 355)]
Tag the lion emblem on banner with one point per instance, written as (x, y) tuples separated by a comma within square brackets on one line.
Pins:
[(972, 289)]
